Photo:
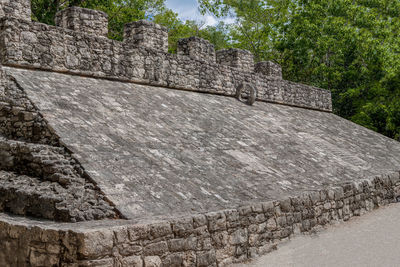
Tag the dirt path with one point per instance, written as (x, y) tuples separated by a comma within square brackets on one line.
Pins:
[(372, 240)]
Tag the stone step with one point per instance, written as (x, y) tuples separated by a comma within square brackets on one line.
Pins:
[(29, 196)]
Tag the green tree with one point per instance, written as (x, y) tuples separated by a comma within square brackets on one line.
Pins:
[(350, 47), (120, 12)]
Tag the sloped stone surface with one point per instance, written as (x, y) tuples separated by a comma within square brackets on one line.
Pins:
[(38, 176), (158, 152)]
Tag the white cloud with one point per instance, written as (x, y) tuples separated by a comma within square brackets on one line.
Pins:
[(189, 10), (210, 20)]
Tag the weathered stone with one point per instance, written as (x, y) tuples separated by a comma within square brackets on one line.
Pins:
[(100, 57), (271, 224), (196, 48), (20, 9), (269, 68), (70, 144), (216, 221), (156, 249), (206, 258), (97, 244), (152, 261), (160, 229), (182, 227), (143, 33), (236, 58), (239, 237), (83, 20), (132, 261)]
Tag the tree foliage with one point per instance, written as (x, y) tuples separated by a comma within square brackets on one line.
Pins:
[(121, 12), (351, 47)]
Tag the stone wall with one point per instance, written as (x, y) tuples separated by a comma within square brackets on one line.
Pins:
[(269, 68), (20, 9), (236, 58), (83, 20), (143, 33), (210, 239), (19, 119), (197, 48), (142, 58)]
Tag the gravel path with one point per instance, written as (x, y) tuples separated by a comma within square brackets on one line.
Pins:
[(368, 241)]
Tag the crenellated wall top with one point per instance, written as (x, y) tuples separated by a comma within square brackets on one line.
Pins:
[(79, 45)]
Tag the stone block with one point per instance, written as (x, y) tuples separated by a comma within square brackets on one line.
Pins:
[(156, 249), (83, 20), (146, 34), (132, 261), (206, 258), (236, 58), (182, 227), (97, 244), (216, 221), (152, 261), (197, 48), (20, 9), (239, 237), (162, 229), (269, 68)]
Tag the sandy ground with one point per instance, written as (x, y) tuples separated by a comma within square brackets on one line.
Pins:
[(368, 241)]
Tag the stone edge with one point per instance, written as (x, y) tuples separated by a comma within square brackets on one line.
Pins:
[(210, 239)]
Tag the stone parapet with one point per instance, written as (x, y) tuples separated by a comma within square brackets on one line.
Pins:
[(83, 20), (269, 68), (212, 239), (236, 58), (197, 48), (20, 9), (146, 34), (35, 45)]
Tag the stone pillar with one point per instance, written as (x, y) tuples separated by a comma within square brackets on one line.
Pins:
[(20, 9), (269, 68), (83, 20), (237, 58), (147, 34), (197, 48)]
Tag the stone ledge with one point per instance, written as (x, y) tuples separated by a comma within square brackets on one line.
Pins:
[(210, 239)]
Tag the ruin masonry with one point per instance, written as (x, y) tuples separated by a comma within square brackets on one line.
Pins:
[(121, 154)]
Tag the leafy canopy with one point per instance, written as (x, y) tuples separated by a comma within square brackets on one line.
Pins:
[(351, 47)]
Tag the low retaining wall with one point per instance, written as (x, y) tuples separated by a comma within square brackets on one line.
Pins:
[(35, 45), (211, 239)]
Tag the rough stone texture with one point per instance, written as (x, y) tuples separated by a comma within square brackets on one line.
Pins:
[(20, 9), (198, 175), (36, 45), (236, 58), (210, 239), (40, 180), (157, 152), (19, 119), (269, 68), (84, 20), (146, 34), (197, 48)]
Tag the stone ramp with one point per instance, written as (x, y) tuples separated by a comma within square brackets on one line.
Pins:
[(162, 152)]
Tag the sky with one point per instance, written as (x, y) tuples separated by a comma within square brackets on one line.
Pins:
[(188, 10)]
